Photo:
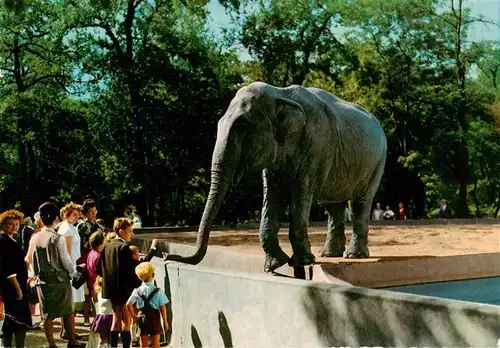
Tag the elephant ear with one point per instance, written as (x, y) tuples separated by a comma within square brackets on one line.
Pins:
[(290, 118)]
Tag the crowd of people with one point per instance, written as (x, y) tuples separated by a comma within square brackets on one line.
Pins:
[(445, 212), (66, 257)]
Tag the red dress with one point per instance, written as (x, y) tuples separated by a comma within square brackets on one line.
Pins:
[(402, 214)]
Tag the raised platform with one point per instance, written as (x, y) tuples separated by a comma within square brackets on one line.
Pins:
[(393, 271)]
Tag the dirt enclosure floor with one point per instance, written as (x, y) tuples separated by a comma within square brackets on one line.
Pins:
[(384, 241)]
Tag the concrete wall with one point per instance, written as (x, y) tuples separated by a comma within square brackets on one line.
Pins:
[(421, 222), (224, 309)]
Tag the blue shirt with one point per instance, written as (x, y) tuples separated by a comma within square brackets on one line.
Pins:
[(159, 299)]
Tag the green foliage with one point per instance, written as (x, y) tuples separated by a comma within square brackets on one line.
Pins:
[(119, 100)]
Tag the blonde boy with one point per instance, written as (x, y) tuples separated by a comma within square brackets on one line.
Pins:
[(147, 304)]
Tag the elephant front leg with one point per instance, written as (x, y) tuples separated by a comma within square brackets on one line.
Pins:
[(335, 239), (358, 247), (270, 224), (300, 208)]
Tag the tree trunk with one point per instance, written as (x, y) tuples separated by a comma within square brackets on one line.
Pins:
[(476, 200), (497, 208), (461, 115), (22, 130)]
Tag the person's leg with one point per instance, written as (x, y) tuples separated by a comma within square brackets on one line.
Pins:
[(125, 332), (86, 309), (155, 340), (2, 316), (69, 323), (144, 341), (134, 333), (20, 337), (48, 327), (116, 327), (63, 334), (104, 340), (7, 339), (94, 340)]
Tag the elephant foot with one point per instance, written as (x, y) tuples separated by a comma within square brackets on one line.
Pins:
[(338, 252), (356, 253), (273, 263), (333, 249), (302, 260)]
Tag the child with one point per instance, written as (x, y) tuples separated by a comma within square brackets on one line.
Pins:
[(104, 317), (110, 236), (150, 302), (137, 259)]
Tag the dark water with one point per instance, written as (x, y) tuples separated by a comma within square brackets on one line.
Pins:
[(484, 290)]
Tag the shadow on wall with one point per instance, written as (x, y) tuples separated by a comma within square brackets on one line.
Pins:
[(354, 319), (224, 332), (166, 341)]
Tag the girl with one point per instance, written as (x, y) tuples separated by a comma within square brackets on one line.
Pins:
[(101, 326)]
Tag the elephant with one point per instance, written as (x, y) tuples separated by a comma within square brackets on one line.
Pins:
[(310, 146)]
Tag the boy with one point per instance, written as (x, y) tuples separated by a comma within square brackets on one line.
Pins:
[(116, 268), (136, 256), (147, 304), (137, 260)]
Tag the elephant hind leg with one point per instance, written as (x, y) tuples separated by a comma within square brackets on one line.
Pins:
[(335, 239), (361, 206), (270, 224), (358, 246)]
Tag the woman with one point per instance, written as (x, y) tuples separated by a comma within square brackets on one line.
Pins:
[(117, 270), (70, 214), (54, 268), (402, 212), (13, 281)]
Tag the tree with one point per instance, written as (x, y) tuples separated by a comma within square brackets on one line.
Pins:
[(289, 39), (31, 64)]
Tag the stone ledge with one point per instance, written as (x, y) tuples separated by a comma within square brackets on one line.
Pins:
[(255, 226)]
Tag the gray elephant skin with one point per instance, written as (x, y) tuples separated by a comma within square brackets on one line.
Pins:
[(310, 146)]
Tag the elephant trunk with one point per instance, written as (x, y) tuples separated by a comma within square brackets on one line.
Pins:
[(218, 188)]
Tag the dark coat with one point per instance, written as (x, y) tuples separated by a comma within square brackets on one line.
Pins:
[(147, 258), (12, 262), (447, 213), (26, 235), (117, 270)]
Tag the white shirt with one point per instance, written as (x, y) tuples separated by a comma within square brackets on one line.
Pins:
[(103, 305), (377, 214), (137, 222)]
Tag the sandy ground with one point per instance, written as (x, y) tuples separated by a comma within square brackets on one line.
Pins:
[(384, 241), (36, 338)]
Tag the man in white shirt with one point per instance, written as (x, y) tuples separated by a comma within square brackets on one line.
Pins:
[(388, 214), (377, 213)]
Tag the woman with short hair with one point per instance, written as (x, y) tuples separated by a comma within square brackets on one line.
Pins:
[(70, 213), (13, 281), (53, 267)]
